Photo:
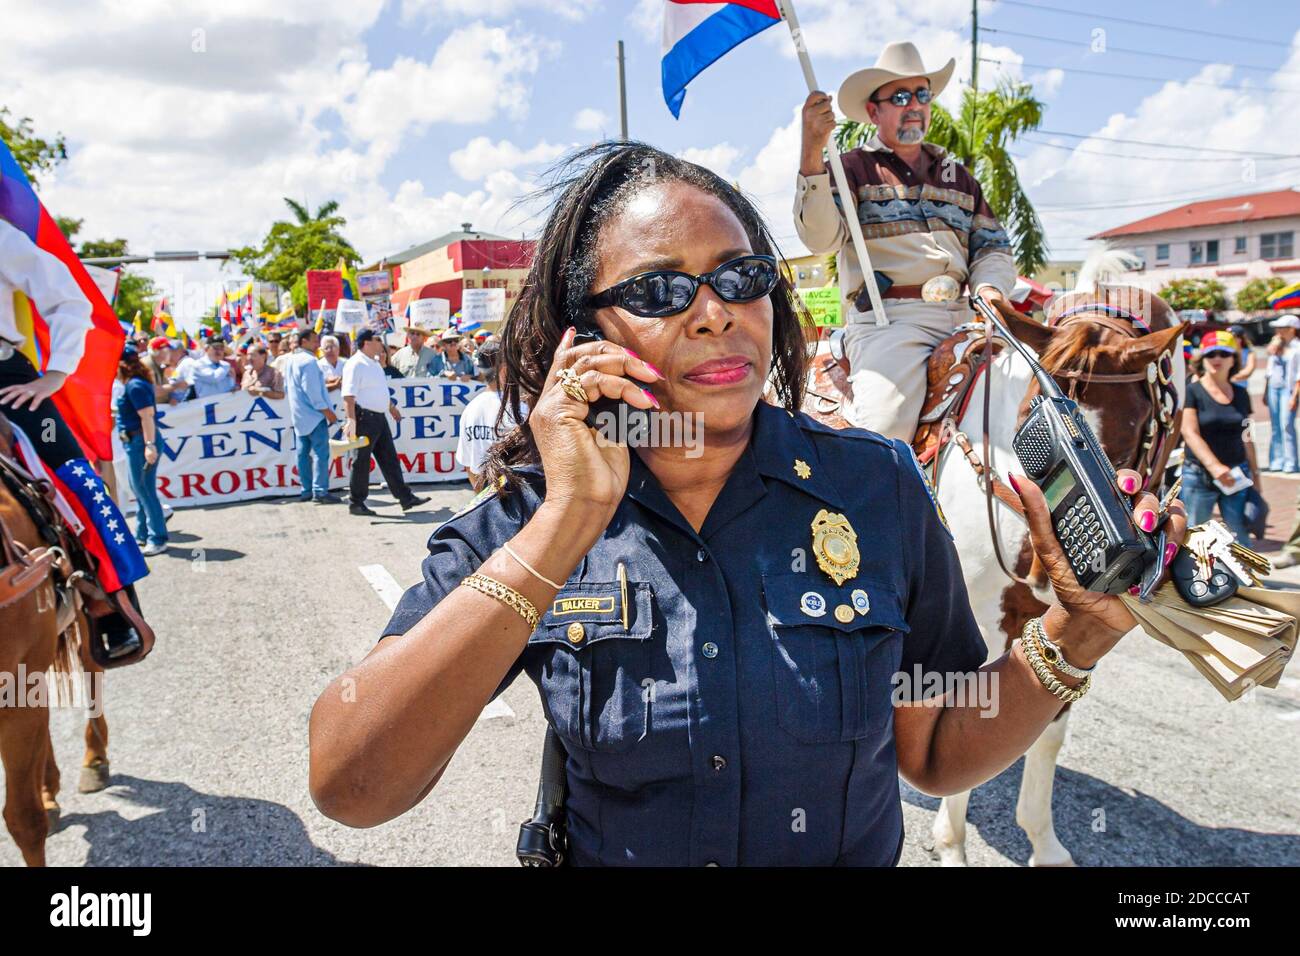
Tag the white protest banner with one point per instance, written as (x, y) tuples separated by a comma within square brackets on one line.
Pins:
[(430, 313), (236, 447), (350, 315), (482, 305)]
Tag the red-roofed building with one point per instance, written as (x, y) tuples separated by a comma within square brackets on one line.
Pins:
[(444, 267), (1233, 240)]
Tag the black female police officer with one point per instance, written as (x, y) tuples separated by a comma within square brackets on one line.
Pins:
[(718, 631)]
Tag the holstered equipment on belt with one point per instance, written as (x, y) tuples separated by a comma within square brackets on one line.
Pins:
[(544, 840)]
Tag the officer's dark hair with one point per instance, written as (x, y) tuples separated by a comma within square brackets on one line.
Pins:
[(587, 188)]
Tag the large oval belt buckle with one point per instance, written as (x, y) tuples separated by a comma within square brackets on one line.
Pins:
[(940, 289)]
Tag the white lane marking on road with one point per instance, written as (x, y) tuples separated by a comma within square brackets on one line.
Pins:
[(390, 592), (385, 585)]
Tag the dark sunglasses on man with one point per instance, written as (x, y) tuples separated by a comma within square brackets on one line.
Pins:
[(904, 97), (653, 295)]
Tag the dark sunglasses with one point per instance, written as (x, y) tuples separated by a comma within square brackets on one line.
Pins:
[(656, 294), (903, 97)]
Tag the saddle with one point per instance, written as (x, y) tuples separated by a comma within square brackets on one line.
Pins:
[(61, 559), (953, 368)]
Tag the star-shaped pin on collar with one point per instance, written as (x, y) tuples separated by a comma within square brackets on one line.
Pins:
[(801, 468)]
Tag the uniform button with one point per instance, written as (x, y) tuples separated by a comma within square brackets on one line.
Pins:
[(719, 762), (710, 650), (701, 555), (575, 633)]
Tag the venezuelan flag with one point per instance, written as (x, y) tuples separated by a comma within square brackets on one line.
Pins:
[(84, 399), (1287, 297)]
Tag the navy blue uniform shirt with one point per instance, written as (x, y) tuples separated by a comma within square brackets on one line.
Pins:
[(735, 719)]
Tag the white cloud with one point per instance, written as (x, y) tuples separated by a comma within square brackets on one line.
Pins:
[(494, 9), (1047, 84), (717, 158), (1207, 110), (475, 73), (480, 157), (589, 120), (179, 140)]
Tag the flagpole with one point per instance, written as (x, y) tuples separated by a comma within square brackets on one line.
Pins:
[(837, 169)]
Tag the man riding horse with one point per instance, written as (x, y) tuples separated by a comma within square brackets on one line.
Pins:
[(26, 394), (928, 231)]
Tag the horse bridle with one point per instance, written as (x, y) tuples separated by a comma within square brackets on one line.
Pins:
[(1162, 394)]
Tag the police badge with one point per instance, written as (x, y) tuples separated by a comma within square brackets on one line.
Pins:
[(835, 545)]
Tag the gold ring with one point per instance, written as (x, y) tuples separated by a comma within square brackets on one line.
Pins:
[(571, 385)]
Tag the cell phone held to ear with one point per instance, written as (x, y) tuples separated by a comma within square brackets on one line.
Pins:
[(613, 417)]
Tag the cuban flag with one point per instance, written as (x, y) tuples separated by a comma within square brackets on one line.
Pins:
[(106, 534), (697, 33)]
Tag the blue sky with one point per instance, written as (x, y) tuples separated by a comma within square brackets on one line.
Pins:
[(419, 114)]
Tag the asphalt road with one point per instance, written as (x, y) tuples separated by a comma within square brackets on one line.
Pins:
[(259, 605)]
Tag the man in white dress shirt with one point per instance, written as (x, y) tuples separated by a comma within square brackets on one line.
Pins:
[(365, 395)]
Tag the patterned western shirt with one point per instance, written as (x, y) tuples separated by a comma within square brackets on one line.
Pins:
[(917, 225)]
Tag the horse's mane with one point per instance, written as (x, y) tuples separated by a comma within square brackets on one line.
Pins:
[(1073, 347)]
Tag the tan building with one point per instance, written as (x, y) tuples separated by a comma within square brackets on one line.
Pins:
[(1231, 240)]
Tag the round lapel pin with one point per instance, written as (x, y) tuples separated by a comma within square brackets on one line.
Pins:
[(812, 604)]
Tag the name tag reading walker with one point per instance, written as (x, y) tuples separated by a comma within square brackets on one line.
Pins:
[(587, 605)]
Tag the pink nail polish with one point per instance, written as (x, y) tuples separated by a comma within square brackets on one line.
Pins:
[(651, 395), (1135, 590), (1147, 520), (653, 369), (1129, 484), (1014, 484), (1170, 550), (630, 352)]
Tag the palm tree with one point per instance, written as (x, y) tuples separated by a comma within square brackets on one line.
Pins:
[(981, 136), (323, 213)]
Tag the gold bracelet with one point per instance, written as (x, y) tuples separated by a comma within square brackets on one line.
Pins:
[(528, 567), (1034, 656), (506, 595)]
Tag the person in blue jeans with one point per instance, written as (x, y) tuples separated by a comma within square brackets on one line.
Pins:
[(1283, 363), (312, 415), (1217, 434), (138, 424)]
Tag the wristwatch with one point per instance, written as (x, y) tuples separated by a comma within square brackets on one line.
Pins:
[(1055, 657)]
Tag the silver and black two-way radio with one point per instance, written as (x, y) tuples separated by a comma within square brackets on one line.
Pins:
[(1092, 517)]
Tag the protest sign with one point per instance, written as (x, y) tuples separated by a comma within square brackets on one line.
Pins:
[(236, 447), (350, 315), (823, 304), (482, 305), (430, 313), (324, 285), (374, 283)]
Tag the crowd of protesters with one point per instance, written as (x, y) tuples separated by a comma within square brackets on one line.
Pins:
[(310, 371), (217, 367)]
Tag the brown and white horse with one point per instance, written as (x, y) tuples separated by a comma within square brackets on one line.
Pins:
[(1102, 343), (38, 660)]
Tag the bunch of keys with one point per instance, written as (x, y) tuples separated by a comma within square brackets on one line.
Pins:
[(1212, 566)]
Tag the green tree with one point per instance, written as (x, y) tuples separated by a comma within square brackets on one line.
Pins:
[(35, 156), (68, 226), (1195, 294), (981, 137), (1253, 296), (291, 248)]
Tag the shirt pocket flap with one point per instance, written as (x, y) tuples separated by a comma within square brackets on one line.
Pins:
[(796, 600), (593, 611)]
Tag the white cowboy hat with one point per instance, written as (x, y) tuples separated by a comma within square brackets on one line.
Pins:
[(1286, 322), (897, 61)]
